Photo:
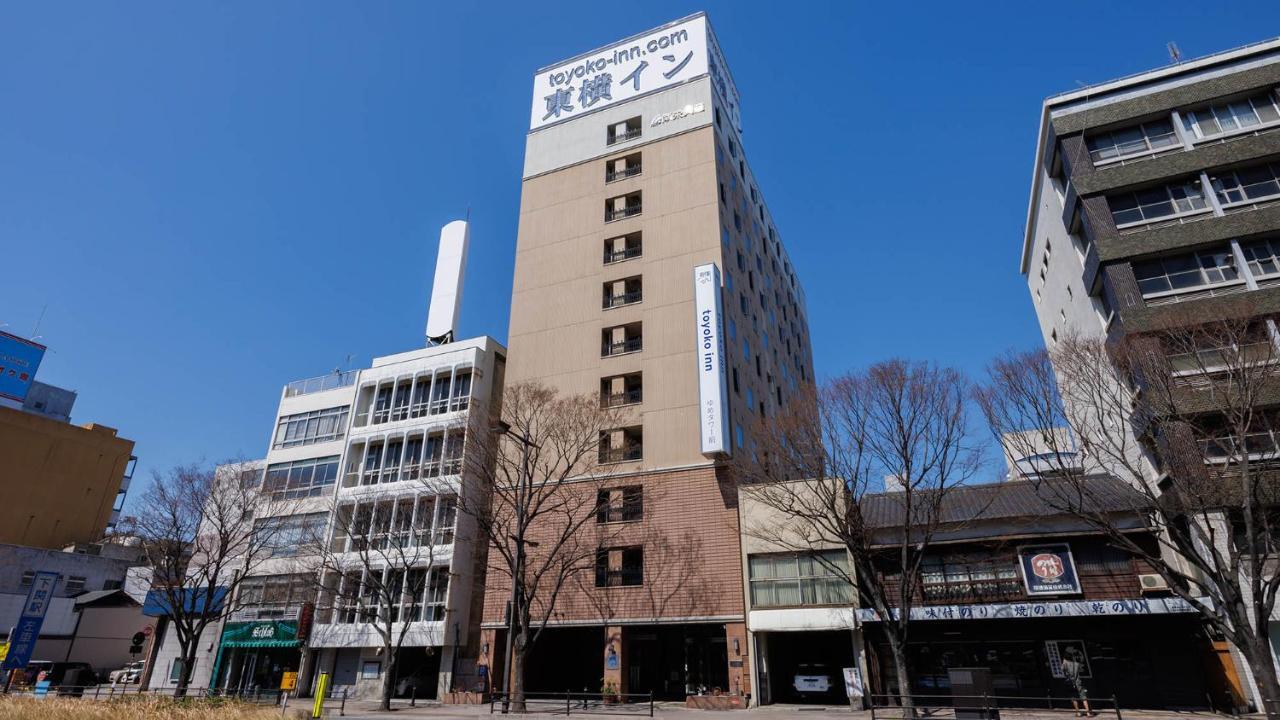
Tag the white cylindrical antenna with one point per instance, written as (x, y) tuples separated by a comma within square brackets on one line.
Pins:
[(446, 289)]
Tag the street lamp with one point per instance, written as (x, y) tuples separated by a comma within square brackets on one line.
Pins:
[(502, 428)]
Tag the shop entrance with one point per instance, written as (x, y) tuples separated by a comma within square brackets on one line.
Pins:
[(674, 661), (254, 669), (417, 672)]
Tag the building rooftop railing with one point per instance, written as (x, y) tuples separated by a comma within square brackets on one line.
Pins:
[(331, 381)]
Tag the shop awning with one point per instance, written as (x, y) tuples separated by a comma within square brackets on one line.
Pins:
[(1045, 609), (262, 643)]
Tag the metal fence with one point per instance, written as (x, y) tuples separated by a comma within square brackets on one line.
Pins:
[(110, 692), (987, 707), (576, 703)]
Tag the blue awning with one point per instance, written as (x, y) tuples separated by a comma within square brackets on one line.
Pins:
[(194, 601)]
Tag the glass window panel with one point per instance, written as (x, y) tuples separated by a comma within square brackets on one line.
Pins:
[(1266, 109), (1207, 122)]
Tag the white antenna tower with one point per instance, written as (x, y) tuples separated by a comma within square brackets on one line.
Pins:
[(446, 289)]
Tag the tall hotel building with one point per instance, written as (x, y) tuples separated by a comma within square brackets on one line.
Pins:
[(1155, 204), (649, 272)]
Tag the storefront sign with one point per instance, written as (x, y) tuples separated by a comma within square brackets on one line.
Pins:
[(683, 112), (261, 633), (1048, 609), (1049, 570), (19, 360), (713, 391), (664, 57)]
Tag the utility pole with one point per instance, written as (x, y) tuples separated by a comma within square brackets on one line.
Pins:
[(517, 574)]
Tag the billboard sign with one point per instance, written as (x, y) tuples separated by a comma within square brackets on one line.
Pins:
[(713, 391), (19, 360), (27, 630), (1048, 570), (661, 58)]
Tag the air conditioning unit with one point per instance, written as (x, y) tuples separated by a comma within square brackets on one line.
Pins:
[(1152, 582)]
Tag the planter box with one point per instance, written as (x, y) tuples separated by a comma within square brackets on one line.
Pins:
[(715, 702), (464, 698)]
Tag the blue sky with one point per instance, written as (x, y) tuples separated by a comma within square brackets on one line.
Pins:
[(207, 200)]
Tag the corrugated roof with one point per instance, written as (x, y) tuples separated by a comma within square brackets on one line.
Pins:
[(1016, 499)]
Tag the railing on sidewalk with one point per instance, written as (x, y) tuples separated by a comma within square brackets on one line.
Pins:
[(107, 691), (576, 703), (986, 707)]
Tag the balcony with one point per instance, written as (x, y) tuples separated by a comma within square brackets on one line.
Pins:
[(622, 173), (331, 381), (621, 445), (626, 211), (627, 298), (613, 256), (623, 131), (629, 397), (630, 345)]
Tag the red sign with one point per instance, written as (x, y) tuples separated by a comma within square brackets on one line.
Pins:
[(1047, 566)]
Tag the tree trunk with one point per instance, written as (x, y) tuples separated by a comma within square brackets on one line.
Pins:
[(388, 678), (188, 659), (903, 671), (517, 673), (1262, 665)]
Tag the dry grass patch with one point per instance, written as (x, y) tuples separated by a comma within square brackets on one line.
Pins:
[(133, 708)]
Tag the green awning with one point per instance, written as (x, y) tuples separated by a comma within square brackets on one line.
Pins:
[(262, 643)]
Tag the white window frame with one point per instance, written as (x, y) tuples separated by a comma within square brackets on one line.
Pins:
[(1177, 214), (1146, 138), (1191, 121), (1240, 280), (1274, 167)]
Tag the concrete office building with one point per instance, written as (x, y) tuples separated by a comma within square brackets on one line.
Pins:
[(1156, 199), (635, 179), (372, 456)]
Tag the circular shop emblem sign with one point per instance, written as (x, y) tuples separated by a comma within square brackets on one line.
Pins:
[(1047, 566)]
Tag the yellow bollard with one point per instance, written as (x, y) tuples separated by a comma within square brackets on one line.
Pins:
[(322, 686)]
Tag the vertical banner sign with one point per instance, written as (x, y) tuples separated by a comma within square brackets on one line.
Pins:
[(713, 392), (19, 360), (642, 64), (27, 630), (1049, 570)]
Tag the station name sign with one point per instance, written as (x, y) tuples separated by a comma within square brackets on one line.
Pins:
[(659, 59)]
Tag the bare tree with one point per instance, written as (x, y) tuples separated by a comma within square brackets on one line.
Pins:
[(538, 473), (1180, 415), (376, 563), (196, 528), (823, 464)]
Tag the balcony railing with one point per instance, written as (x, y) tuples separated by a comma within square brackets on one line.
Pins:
[(971, 590), (624, 136), (618, 348), (622, 174), (320, 384), (266, 612), (627, 298), (624, 212), (626, 453), (613, 256), (630, 397)]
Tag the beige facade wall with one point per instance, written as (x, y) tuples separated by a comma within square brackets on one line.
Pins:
[(557, 317)]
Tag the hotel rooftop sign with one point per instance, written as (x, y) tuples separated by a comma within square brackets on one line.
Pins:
[(670, 55)]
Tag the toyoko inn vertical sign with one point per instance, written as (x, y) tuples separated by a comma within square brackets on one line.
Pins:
[(668, 56), (713, 391)]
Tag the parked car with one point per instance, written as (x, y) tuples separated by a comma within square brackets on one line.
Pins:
[(811, 679), (128, 674), (56, 672)]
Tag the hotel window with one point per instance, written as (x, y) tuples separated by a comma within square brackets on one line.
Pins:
[(622, 168), (304, 478), (789, 579), (620, 567), (620, 390), (311, 427), (626, 291), (622, 445), (75, 585), (279, 591), (1263, 256), (624, 504), (1235, 116), (1137, 140), (1188, 271), (628, 129), (622, 206), (1247, 185), (1164, 201), (621, 339), (621, 248)]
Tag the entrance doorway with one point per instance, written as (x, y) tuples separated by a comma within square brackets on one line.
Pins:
[(675, 661)]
